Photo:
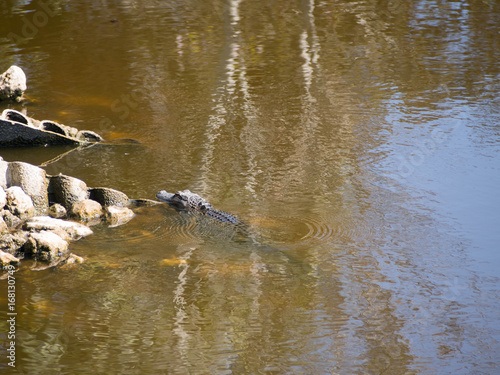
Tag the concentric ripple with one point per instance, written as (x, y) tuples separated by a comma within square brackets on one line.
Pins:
[(307, 230)]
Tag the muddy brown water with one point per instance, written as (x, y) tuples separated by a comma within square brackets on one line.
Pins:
[(360, 139)]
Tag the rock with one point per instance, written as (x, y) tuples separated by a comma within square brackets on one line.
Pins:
[(7, 259), (45, 246), (12, 242), (10, 219), (3, 198), (3, 226), (3, 173), (88, 136), (74, 259), (12, 83), (19, 203), (67, 190), (109, 197), (144, 202), (16, 116), (16, 129), (32, 180), (74, 230), (57, 211), (116, 216), (87, 210)]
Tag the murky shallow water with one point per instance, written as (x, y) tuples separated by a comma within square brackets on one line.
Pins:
[(360, 142)]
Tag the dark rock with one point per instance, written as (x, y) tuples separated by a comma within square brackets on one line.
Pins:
[(7, 259), (12, 83), (45, 246), (109, 197), (67, 190), (87, 210), (16, 116), (19, 203), (57, 211), (32, 180), (73, 230), (16, 130), (116, 216)]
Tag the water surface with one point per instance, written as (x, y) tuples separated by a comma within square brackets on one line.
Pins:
[(360, 141)]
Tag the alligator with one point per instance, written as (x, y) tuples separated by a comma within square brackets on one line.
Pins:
[(191, 202)]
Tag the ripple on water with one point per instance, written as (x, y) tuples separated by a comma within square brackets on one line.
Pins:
[(306, 230)]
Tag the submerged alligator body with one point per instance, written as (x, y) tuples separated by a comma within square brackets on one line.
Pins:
[(187, 201)]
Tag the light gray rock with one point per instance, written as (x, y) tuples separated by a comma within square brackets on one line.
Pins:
[(3, 198), (87, 210), (3, 226), (45, 246), (67, 190), (116, 216), (3, 173), (57, 211), (12, 83), (74, 230), (32, 180), (109, 197), (7, 259), (19, 203)]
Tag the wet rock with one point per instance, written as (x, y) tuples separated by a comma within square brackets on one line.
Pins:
[(32, 180), (3, 173), (12, 83), (7, 259), (109, 197), (3, 198), (12, 242), (88, 136), (57, 211), (87, 210), (144, 202), (19, 203), (16, 130), (116, 216), (73, 230), (67, 190), (74, 259), (45, 246)]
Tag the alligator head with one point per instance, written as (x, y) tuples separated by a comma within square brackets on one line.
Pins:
[(185, 200)]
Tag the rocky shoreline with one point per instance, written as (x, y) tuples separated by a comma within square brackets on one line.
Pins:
[(41, 214)]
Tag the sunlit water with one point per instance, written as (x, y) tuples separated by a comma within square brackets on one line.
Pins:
[(358, 141)]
